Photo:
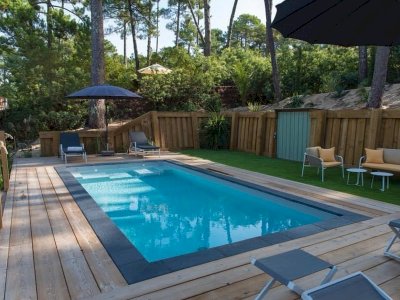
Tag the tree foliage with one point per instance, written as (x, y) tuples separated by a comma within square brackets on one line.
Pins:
[(45, 54)]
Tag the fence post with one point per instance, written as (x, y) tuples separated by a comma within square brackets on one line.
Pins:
[(260, 143), (195, 130), (234, 131), (156, 128), (317, 130), (4, 166), (374, 128)]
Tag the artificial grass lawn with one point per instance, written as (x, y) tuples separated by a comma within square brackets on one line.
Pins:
[(292, 171)]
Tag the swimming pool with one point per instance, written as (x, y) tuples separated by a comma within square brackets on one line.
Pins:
[(168, 212)]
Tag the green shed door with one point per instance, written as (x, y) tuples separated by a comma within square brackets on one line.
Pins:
[(292, 134)]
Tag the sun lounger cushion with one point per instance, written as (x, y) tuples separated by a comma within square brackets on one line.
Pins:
[(74, 149)]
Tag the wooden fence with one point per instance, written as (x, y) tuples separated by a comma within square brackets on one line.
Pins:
[(4, 170), (350, 131)]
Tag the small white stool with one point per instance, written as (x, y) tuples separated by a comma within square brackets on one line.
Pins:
[(385, 176), (360, 173)]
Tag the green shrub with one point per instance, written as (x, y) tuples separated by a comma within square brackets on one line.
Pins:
[(296, 101), (254, 106), (215, 132)]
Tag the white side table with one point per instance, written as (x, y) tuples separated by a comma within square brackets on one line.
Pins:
[(360, 173), (385, 177)]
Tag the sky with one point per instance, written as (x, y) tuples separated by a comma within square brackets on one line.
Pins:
[(220, 14)]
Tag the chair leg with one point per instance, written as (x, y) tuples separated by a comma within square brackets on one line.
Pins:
[(342, 171), (265, 289), (329, 276), (390, 244), (322, 173)]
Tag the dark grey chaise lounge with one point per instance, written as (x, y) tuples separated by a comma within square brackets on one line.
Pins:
[(289, 266), (395, 226), (140, 144), (352, 287), (71, 146)]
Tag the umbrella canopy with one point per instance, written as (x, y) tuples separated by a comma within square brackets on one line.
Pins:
[(103, 91), (340, 22), (155, 69)]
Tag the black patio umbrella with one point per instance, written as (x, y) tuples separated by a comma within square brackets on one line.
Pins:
[(104, 91), (340, 22)]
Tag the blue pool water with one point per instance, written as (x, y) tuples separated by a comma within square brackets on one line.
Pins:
[(166, 210)]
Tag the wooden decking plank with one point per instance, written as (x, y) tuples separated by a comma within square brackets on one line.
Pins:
[(50, 280), (103, 268), (392, 287), (20, 283), (5, 234), (187, 275), (80, 280)]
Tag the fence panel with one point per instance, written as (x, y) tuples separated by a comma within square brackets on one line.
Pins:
[(350, 131)]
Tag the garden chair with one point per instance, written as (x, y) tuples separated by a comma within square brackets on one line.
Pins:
[(395, 226), (71, 146), (321, 159), (140, 144)]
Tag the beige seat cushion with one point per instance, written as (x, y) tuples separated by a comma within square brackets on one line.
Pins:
[(331, 164), (327, 155), (382, 167), (374, 156)]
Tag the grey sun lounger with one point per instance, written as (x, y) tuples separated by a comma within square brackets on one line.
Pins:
[(289, 266), (354, 286), (395, 226), (71, 146), (140, 144)]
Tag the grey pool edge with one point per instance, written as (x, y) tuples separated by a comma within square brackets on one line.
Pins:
[(135, 268)]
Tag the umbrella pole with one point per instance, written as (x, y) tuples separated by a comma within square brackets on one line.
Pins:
[(106, 117)]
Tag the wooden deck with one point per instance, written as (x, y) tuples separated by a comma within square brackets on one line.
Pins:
[(49, 251)]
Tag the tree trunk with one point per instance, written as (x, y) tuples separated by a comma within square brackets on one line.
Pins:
[(379, 78), (133, 29), (207, 28), (271, 46), (158, 21), (362, 63), (229, 35), (149, 33), (97, 107), (178, 20), (199, 33), (124, 37), (49, 25)]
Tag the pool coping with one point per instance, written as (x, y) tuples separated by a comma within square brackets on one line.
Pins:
[(135, 268)]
